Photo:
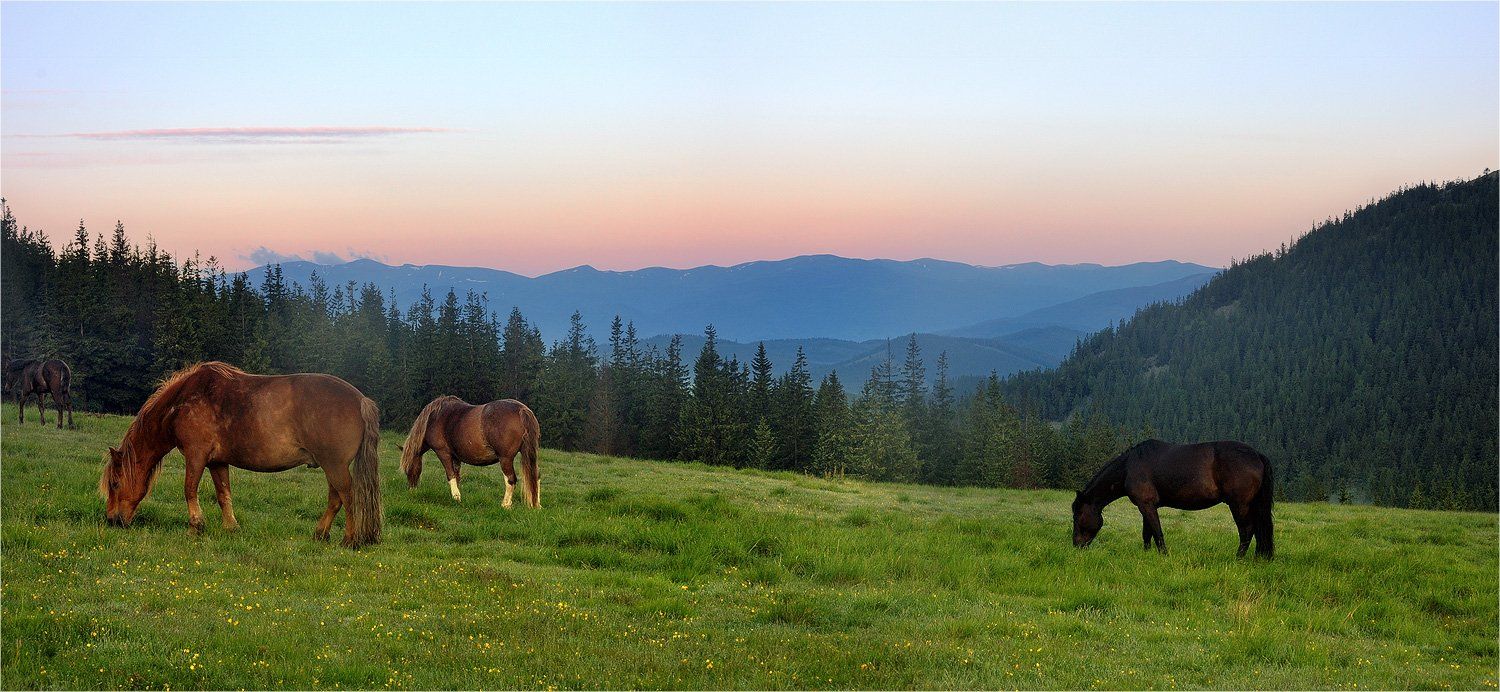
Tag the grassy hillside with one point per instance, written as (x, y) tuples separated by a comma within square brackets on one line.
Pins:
[(640, 574)]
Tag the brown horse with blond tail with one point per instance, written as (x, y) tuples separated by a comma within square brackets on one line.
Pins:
[(461, 433), (221, 416)]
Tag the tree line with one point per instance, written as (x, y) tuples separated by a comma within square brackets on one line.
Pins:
[(124, 316)]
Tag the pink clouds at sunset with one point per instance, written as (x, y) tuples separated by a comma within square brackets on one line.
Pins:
[(232, 134)]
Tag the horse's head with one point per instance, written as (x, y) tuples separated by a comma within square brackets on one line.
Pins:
[(124, 484), (1087, 520)]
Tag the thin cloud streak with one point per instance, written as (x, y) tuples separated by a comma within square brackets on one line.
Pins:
[(247, 134)]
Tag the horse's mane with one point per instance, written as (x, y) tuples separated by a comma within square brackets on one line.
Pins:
[(169, 390), (1109, 467), (1116, 464), (411, 450)]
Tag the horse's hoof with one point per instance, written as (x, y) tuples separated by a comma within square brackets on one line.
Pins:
[(320, 536), (195, 529)]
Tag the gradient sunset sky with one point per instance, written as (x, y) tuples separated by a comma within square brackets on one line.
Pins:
[(535, 137)]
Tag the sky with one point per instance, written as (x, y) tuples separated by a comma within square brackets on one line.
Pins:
[(537, 137)]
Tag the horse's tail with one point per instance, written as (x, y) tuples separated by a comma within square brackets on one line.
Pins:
[(411, 451), (1260, 512), (531, 437), (364, 513)]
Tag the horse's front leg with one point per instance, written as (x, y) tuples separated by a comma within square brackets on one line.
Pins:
[(450, 465), (20, 407), (1153, 525), (1145, 534), (192, 479), (220, 474), (41, 407)]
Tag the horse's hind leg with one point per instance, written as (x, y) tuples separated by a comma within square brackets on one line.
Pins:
[(220, 474), (325, 523), (1246, 526), (1145, 535), (57, 403), (508, 466), (20, 407), (342, 484)]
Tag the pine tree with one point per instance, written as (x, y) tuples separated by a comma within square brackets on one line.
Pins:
[(566, 385), (760, 384), (762, 446), (666, 397), (832, 452), (520, 358), (938, 437), (794, 419), (712, 427)]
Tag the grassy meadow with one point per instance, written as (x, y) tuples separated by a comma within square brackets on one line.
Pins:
[(670, 575)]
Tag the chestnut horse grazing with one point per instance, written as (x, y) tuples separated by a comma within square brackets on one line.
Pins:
[(461, 433), (26, 377), (1193, 476), (220, 416)]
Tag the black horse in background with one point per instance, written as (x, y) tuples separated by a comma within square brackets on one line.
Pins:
[(24, 377), (1193, 476)]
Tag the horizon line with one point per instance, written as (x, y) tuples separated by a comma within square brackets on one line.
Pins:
[(588, 267)]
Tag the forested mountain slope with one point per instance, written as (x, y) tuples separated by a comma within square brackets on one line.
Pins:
[(1362, 359)]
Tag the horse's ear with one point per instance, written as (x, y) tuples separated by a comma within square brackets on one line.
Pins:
[(113, 451)]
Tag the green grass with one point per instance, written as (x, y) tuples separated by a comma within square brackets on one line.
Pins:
[(643, 574)]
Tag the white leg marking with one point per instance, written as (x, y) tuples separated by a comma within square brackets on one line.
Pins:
[(509, 488), (453, 486)]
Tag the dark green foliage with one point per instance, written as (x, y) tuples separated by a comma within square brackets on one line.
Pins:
[(1361, 360), (714, 427), (831, 451), (565, 388), (793, 418)]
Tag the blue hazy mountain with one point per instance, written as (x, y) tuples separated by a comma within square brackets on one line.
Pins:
[(1092, 312), (815, 296)]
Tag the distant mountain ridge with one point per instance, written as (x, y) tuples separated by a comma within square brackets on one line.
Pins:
[(1090, 313), (812, 296)]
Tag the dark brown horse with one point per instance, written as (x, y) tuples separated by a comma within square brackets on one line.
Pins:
[(220, 416), (461, 433), (1194, 476), (26, 377)]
